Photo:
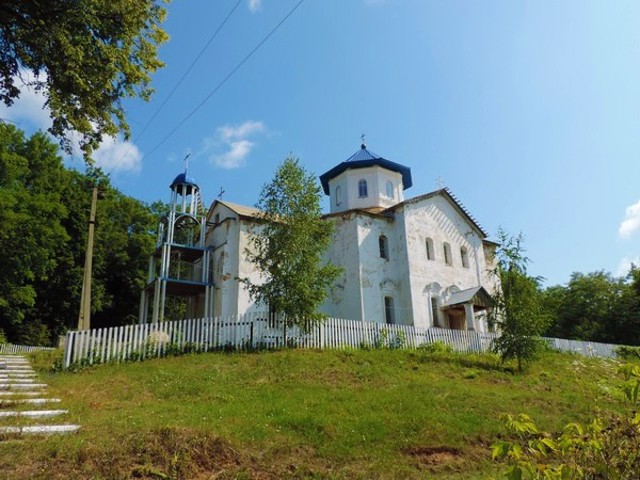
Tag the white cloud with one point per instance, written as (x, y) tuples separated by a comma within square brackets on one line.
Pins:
[(235, 141), (116, 155), (255, 6), (625, 265), (228, 132), (235, 156), (29, 106), (631, 221)]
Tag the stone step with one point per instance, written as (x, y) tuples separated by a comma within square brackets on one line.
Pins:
[(12, 393), (39, 429), (18, 374), (35, 401), (18, 381), (33, 413), (14, 386)]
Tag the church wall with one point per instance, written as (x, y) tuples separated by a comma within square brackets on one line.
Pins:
[(381, 277), (246, 269), (437, 219), (344, 300)]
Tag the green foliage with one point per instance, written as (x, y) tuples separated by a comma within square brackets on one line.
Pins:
[(92, 54), (628, 353), (517, 309), (596, 307), (287, 250), (43, 212), (608, 447), (436, 348)]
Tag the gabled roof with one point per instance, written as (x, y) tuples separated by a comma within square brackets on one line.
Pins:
[(240, 210), (476, 295), (364, 158), (448, 195)]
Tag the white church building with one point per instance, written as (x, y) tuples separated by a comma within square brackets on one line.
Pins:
[(422, 261)]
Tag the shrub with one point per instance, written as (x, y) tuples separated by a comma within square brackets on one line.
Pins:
[(606, 448), (628, 353), (436, 348)]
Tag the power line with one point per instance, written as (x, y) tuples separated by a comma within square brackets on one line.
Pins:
[(225, 79), (184, 75)]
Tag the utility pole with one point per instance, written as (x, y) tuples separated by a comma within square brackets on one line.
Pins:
[(84, 319)]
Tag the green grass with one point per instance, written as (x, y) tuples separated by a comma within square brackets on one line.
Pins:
[(303, 414)]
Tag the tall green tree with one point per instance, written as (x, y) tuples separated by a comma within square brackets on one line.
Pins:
[(288, 248), (92, 54), (596, 306), (31, 233), (517, 310), (44, 210)]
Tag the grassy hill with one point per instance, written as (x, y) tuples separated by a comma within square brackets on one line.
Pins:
[(303, 414)]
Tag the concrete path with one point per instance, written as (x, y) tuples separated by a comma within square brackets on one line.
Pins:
[(24, 400)]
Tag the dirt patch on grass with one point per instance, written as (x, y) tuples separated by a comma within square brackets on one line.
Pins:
[(434, 456)]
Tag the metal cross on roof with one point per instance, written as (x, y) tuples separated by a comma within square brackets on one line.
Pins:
[(186, 162), (362, 139)]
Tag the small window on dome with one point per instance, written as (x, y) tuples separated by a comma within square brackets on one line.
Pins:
[(362, 188), (390, 190)]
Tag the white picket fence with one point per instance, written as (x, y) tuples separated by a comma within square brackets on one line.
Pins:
[(255, 331), (11, 349)]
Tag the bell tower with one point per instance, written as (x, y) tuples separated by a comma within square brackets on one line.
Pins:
[(180, 266)]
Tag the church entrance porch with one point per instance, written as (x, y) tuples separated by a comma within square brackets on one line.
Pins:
[(463, 306)]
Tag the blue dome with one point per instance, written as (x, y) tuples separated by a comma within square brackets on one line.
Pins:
[(184, 179), (364, 158)]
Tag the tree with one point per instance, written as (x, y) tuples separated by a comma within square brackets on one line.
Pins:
[(44, 210), (517, 310), (596, 306), (86, 57), (31, 215), (287, 250)]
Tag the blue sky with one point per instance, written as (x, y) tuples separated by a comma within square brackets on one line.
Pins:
[(528, 111)]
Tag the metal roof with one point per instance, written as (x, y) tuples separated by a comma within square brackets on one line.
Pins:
[(476, 295), (184, 179), (242, 210), (366, 158)]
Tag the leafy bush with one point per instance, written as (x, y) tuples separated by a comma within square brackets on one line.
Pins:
[(606, 448), (626, 352), (436, 348)]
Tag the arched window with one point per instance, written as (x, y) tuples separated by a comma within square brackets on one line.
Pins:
[(384, 247), (389, 187), (447, 254), (430, 252), (434, 312), (389, 311), (465, 257), (338, 195), (362, 188)]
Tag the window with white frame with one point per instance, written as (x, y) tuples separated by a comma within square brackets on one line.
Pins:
[(362, 188), (447, 254), (389, 187), (464, 255), (383, 243), (430, 251), (389, 311)]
